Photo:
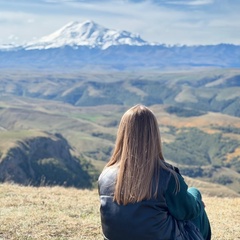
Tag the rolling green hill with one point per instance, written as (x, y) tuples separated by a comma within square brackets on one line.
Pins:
[(198, 113), (210, 90)]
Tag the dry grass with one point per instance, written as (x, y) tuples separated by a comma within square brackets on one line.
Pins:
[(48, 213), (224, 215), (58, 213)]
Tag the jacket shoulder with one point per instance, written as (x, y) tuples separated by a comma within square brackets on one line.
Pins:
[(170, 166), (106, 181)]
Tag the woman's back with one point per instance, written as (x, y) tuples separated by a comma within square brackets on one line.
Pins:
[(143, 197), (148, 219)]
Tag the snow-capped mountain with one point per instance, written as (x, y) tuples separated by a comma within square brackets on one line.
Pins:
[(88, 44), (87, 33)]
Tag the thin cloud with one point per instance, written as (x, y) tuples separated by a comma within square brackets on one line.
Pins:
[(193, 2), (164, 21)]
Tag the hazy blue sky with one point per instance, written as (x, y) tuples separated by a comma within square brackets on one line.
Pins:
[(163, 21)]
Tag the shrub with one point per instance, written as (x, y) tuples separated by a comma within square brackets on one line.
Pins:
[(223, 179)]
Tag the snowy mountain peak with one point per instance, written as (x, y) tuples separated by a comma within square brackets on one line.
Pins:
[(87, 33)]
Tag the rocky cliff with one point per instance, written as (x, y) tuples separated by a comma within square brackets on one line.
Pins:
[(44, 160)]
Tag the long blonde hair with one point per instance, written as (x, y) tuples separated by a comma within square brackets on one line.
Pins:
[(138, 154)]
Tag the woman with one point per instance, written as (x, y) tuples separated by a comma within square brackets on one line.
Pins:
[(143, 197)]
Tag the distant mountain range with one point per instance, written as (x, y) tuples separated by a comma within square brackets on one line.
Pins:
[(88, 44)]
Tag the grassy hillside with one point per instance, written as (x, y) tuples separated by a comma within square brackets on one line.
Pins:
[(39, 158), (206, 90), (205, 146), (198, 114), (57, 213)]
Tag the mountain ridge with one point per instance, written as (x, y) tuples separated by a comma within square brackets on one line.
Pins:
[(90, 45), (123, 57)]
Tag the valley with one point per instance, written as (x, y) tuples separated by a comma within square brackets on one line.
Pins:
[(198, 114)]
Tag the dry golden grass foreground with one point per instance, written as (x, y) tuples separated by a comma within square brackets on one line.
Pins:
[(66, 213)]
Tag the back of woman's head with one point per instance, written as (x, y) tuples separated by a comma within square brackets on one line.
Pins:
[(138, 134), (137, 153)]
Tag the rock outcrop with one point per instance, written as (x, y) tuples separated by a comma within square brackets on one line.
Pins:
[(44, 160)]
